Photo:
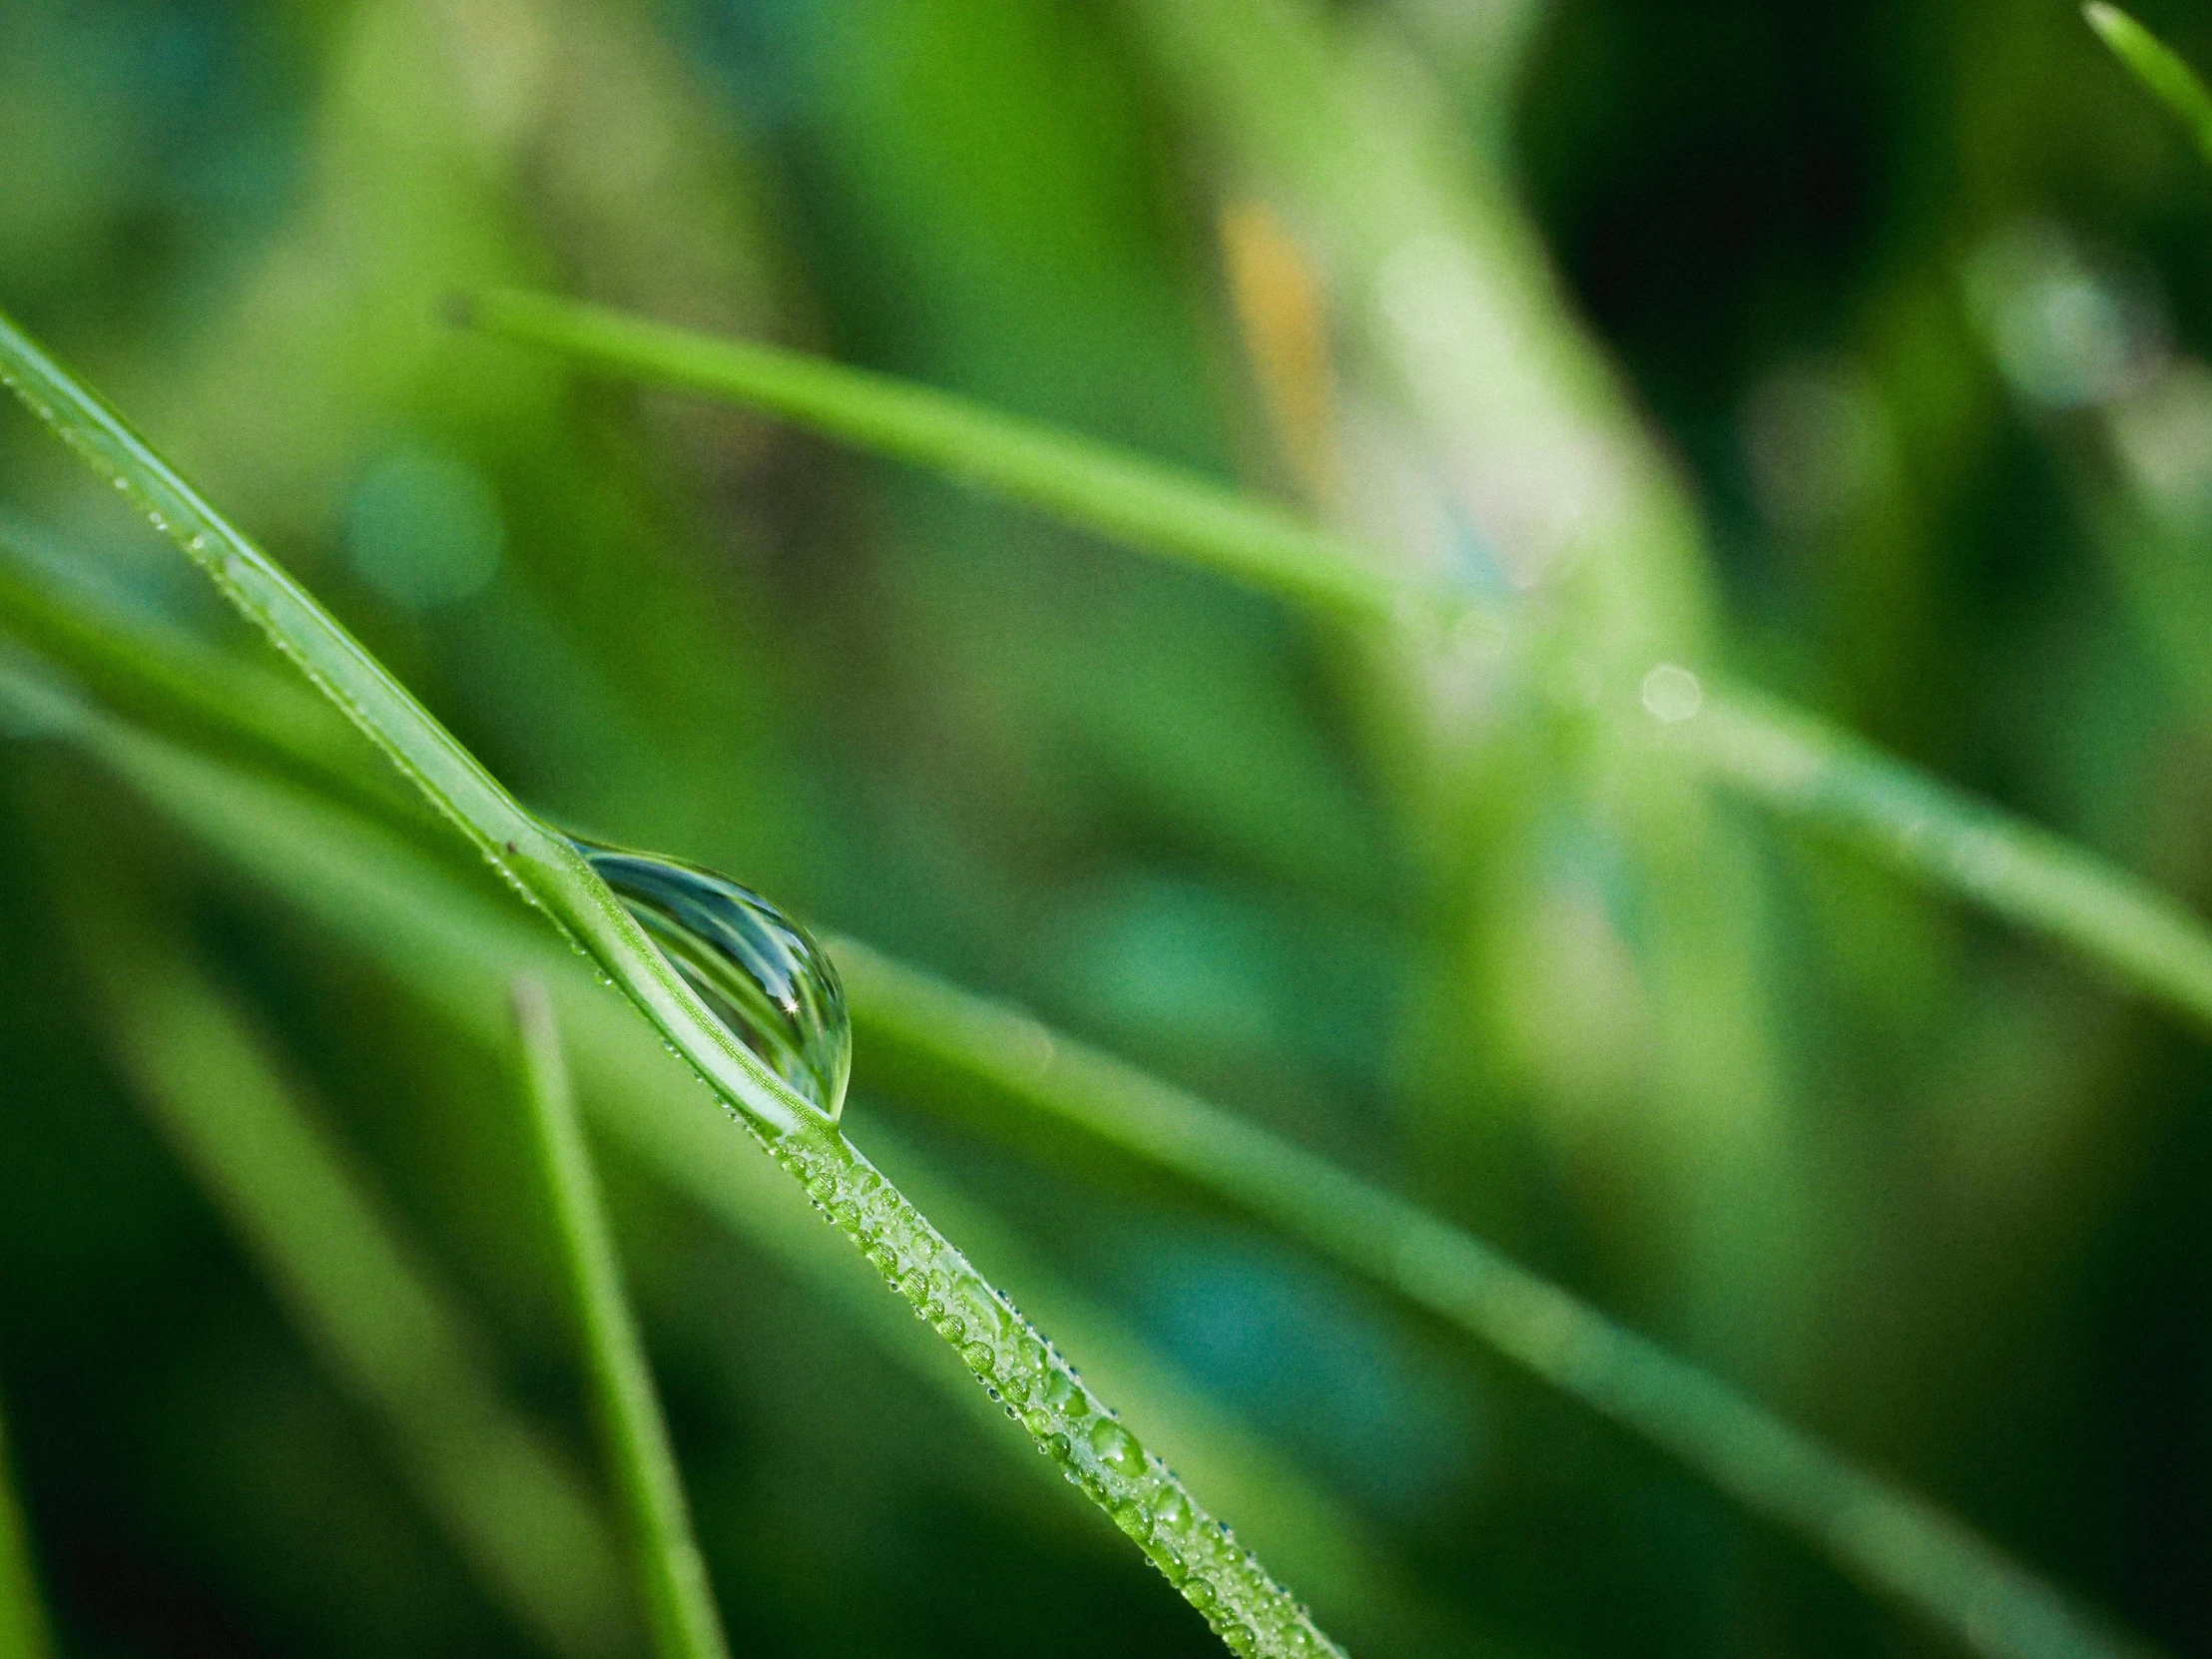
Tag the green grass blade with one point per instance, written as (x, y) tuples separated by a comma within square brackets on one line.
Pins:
[(2159, 67), (1243, 1604), (1834, 783), (671, 1572), (1142, 502), (385, 1328), (929, 1042), (1945, 839), (22, 1615), (166, 676)]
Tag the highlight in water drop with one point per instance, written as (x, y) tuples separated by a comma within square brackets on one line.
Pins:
[(760, 971)]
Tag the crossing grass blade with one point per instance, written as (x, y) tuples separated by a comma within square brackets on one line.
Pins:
[(671, 1573)]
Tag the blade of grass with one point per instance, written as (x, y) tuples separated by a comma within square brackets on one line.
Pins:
[(168, 678), (1243, 1604), (22, 1616), (385, 1328), (1833, 783), (927, 1042), (456, 945), (2159, 67), (672, 1575), (931, 1043), (1132, 498), (1788, 760)]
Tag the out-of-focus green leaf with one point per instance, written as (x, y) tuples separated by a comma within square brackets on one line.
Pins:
[(670, 1571), (389, 1334), (2159, 67), (22, 1616)]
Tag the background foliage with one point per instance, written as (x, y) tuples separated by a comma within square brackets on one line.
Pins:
[(1914, 296)]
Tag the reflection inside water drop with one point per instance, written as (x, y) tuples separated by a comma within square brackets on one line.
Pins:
[(759, 971)]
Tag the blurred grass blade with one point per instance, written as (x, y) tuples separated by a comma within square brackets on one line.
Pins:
[(22, 1615), (672, 1577), (1935, 833), (933, 1043), (1243, 1604), (165, 676), (1132, 498), (392, 1339), (2159, 67), (1835, 782)]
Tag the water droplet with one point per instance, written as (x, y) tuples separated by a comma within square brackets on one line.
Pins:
[(759, 971), (1117, 1448), (1132, 1519), (1062, 1395)]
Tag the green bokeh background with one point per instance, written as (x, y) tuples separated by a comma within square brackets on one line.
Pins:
[(1912, 297)]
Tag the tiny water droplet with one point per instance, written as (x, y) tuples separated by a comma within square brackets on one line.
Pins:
[(759, 971), (1061, 1393), (1117, 1448)]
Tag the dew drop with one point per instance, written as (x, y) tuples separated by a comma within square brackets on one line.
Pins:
[(1061, 1393), (759, 971), (1117, 1448)]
